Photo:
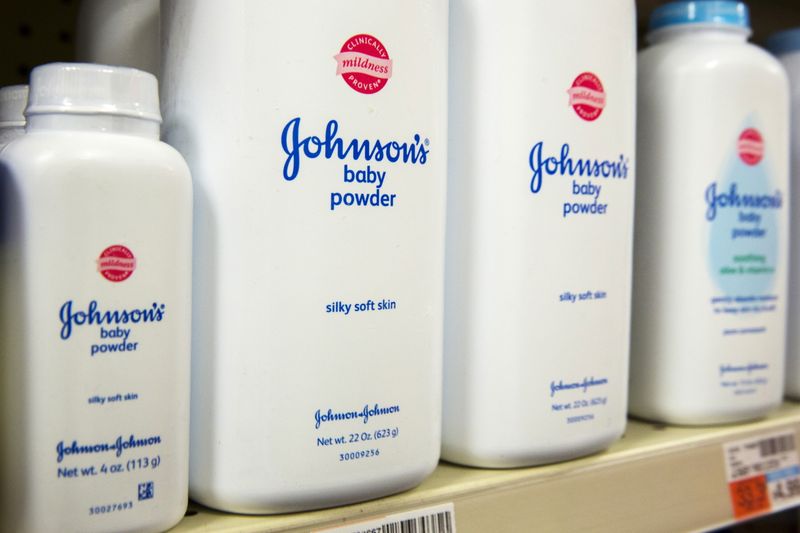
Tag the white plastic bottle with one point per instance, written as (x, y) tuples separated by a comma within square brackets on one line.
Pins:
[(95, 259), (119, 32), (316, 134), (709, 316), (12, 106), (540, 212), (786, 46)]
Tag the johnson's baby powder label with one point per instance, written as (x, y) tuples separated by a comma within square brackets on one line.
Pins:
[(710, 296), (321, 224), (95, 256), (744, 214), (357, 173), (102, 333), (591, 186), (98, 334), (540, 211)]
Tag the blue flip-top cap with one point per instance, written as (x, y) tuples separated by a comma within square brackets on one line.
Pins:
[(708, 12), (784, 42)]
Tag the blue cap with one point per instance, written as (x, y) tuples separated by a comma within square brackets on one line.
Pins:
[(713, 12), (784, 42)]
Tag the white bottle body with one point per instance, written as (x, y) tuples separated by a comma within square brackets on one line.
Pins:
[(708, 338), (76, 391), (791, 62), (518, 348), (281, 262), (119, 32)]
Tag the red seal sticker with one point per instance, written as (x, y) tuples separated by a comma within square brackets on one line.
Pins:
[(364, 64), (587, 96), (750, 146), (116, 263)]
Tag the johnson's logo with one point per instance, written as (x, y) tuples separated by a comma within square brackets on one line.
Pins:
[(587, 96), (364, 64), (717, 199), (364, 414), (742, 369), (116, 263), (121, 444), (584, 385), (72, 317), (330, 145), (564, 164)]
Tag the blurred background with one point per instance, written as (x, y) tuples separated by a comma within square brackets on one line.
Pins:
[(33, 32)]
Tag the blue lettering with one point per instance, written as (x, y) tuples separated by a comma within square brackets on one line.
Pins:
[(732, 198), (584, 385), (365, 414), (332, 146), (93, 316), (567, 166), (121, 444)]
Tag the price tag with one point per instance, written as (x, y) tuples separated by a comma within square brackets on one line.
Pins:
[(763, 473), (438, 519)]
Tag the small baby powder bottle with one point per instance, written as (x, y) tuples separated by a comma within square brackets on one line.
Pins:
[(786, 46), (119, 32), (539, 229), (95, 257), (711, 262), (12, 106)]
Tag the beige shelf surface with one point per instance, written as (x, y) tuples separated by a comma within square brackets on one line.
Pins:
[(655, 478)]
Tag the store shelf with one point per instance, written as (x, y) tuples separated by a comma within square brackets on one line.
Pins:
[(656, 478)]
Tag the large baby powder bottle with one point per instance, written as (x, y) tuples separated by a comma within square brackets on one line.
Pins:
[(13, 100), (316, 133), (119, 32), (95, 257), (786, 46), (539, 230), (710, 300)]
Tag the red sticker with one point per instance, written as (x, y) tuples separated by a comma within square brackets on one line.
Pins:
[(587, 96), (116, 263), (749, 496), (751, 146), (364, 64)]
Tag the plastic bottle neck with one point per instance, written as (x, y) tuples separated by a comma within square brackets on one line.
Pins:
[(118, 124), (699, 32)]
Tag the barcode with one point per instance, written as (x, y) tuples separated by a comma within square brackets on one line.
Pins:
[(434, 519), (776, 445), (433, 523)]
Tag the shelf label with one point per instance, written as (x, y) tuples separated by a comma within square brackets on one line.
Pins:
[(763, 473), (436, 519)]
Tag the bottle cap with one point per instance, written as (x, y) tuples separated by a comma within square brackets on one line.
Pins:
[(705, 12), (13, 100), (784, 42), (89, 89)]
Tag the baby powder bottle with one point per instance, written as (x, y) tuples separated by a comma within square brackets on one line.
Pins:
[(786, 46), (539, 230), (316, 135), (708, 338), (95, 257), (12, 106), (119, 32)]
